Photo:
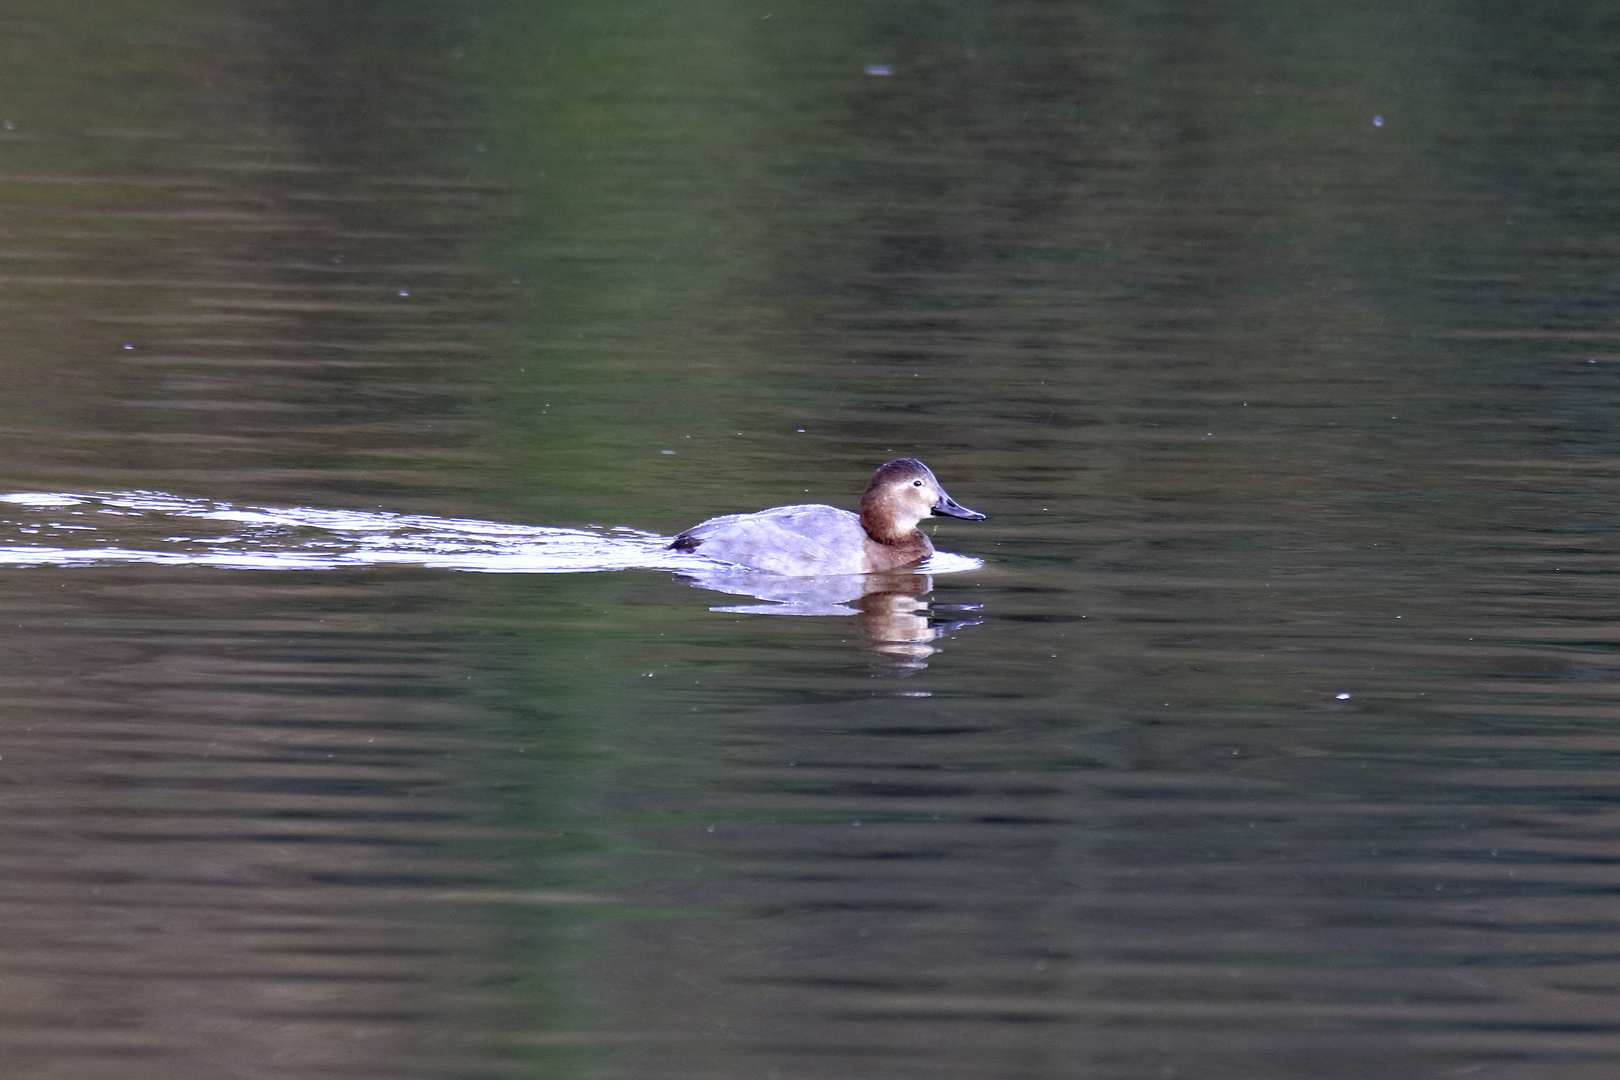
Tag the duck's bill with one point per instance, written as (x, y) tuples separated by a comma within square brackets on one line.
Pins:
[(951, 507)]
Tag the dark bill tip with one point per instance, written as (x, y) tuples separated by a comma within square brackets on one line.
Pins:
[(951, 507)]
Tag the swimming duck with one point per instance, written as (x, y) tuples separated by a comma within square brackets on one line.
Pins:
[(812, 540)]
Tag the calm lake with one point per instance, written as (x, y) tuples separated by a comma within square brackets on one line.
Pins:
[(359, 357)]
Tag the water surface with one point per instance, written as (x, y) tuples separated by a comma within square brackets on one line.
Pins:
[(1265, 729)]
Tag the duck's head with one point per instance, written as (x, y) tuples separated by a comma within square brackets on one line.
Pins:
[(901, 494)]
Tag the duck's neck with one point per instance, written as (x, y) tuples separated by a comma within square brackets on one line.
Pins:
[(882, 527), (889, 554)]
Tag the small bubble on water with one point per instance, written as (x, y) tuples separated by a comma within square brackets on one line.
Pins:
[(1378, 121), (1344, 696)]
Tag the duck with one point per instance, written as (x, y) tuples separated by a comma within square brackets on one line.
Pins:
[(814, 540)]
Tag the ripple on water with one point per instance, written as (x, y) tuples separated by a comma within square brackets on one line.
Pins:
[(307, 538)]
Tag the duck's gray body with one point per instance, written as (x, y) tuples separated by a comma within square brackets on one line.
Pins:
[(806, 540)]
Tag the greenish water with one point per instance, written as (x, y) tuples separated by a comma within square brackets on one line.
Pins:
[(1276, 736)]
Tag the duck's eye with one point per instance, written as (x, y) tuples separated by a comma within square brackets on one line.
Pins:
[(916, 483)]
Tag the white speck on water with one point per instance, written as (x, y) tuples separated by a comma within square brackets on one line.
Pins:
[(879, 69), (1378, 121), (402, 292), (666, 451), (1343, 696)]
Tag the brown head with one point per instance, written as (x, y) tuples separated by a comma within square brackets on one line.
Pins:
[(902, 493)]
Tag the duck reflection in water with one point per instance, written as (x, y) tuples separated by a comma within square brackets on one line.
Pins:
[(890, 608)]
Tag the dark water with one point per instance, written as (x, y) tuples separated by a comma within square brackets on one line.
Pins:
[(1275, 737)]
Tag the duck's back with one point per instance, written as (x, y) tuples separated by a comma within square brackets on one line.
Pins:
[(800, 541)]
